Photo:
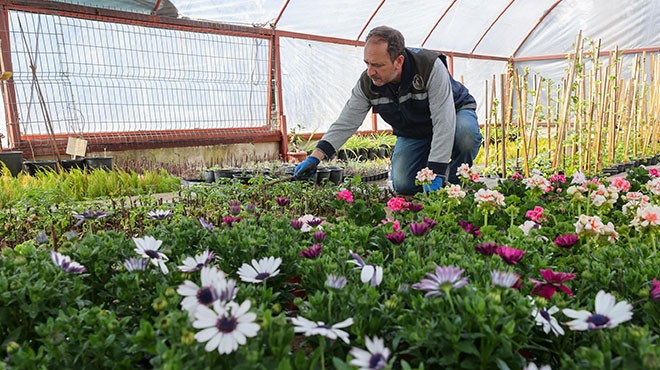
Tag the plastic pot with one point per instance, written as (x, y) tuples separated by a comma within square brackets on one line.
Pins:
[(13, 161), (104, 163)]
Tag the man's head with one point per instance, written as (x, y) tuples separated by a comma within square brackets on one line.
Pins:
[(383, 54)]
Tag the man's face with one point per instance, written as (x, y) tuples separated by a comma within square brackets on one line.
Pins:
[(380, 68)]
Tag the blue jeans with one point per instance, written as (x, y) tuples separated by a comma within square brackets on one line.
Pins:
[(411, 155)]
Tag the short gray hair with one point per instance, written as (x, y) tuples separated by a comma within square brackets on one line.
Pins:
[(396, 44)]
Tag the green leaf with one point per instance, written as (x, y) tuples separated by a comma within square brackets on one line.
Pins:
[(501, 364)]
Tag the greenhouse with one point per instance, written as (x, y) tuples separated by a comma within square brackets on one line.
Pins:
[(376, 184)]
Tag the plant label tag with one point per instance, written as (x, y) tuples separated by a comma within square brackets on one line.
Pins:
[(76, 147)]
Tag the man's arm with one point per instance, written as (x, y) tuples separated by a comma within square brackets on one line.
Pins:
[(443, 117), (349, 120)]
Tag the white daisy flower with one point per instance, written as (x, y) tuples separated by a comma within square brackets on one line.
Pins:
[(308, 328), (504, 279), (375, 358), (532, 366), (159, 214), (136, 264), (147, 247), (225, 327), (372, 274), (335, 282), (192, 264), (215, 287), (260, 270), (545, 319), (609, 314)]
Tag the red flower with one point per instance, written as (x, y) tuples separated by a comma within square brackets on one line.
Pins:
[(553, 281)]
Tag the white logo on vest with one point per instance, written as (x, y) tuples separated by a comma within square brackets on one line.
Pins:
[(418, 82)]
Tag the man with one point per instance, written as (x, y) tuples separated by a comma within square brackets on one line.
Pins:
[(432, 115)]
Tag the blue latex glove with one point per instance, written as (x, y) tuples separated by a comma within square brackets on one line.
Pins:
[(436, 184), (306, 168)]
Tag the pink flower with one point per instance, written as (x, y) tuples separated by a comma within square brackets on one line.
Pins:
[(510, 255), (345, 195), (516, 176), (397, 204), (536, 214), (558, 178), (311, 252), (553, 281), (654, 293), (566, 240), (396, 225), (653, 172), (621, 184), (396, 237)]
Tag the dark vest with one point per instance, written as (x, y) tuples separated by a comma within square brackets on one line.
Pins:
[(407, 110)]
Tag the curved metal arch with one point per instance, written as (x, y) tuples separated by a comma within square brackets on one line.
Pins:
[(366, 24), (438, 22), (491, 25), (535, 27), (281, 13)]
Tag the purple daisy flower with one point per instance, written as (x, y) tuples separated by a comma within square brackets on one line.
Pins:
[(419, 228), (66, 264), (312, 252), (566, 240), (397, 237), (510, 255), (487, 249)]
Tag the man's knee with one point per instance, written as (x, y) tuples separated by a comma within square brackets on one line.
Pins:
[(405, 186)]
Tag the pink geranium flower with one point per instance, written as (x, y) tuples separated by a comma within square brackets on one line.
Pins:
[(345, 195), (621, 184), (397, 204), (510, 255), (396, 225), (653, 172), (536, 214), (553, 281)]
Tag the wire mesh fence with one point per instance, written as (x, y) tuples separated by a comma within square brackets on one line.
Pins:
[(118, 84)]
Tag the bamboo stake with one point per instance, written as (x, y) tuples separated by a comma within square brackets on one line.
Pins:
[(521, 90), (564, 114), (504, 117)]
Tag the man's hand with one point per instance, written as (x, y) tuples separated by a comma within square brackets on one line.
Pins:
[(436, 184), (306, 168)]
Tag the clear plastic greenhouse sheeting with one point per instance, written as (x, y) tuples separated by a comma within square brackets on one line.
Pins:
[(504, 24)]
